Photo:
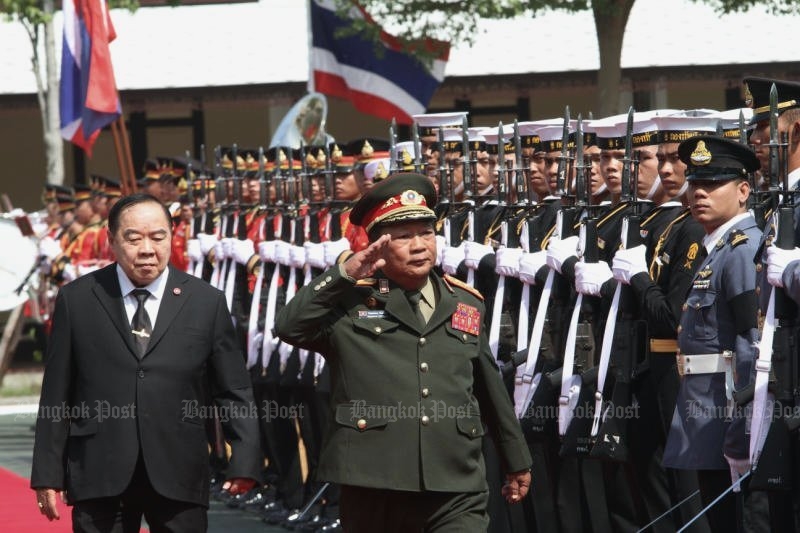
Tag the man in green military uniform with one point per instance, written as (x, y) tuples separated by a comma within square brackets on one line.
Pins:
[(412, 376)]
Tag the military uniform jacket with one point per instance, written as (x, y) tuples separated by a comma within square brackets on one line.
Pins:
[(407, 401), (719, 314)]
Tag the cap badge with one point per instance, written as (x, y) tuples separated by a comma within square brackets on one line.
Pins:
[(701, 156), (367, 150), (380, 172), (411, 198), (748, 96), (406, 158)]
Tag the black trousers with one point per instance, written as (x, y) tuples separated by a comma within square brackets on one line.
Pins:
[(123, 513), (367, 510)]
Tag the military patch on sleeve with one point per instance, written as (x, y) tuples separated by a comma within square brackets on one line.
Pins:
[(737, 237), (467, 319), (691, 255), (451, 282)]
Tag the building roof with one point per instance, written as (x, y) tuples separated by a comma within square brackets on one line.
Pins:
[(266, 42)]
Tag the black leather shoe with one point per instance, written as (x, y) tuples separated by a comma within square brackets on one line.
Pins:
[(278, 516), (336, 525)]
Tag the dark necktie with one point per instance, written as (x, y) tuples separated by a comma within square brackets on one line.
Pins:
[(140, 325), (414, 297)]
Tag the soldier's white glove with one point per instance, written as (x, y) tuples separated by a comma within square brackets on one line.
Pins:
[(49, 248), (219, 251), (777, 261), (69, 272), (738, 467), (589, 277), (227, 247), (297, 256), (207, 242), (283, 253), (507, 261), (333, 249), (529, 264), (559, 250), (315, 254), (243, 250), (474, 252), (193, 250), (629, 262), (453, 255), (440, 248), (266, 251)]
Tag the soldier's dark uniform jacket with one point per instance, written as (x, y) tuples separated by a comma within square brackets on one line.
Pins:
[(719, 315)]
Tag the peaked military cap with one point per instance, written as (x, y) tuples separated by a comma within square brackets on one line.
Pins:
[(402, 197), (756, 95), (709, 157)]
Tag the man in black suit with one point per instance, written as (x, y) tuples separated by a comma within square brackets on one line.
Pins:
[(136, 353)]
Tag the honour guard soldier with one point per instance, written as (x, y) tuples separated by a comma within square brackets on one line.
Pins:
[(362, 306), (718, 330), (777, 267)]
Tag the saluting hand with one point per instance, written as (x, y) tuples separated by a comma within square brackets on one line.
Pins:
[(516, 487), (363, 264)]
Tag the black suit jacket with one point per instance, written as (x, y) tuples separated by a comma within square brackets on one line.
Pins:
[(101, 404)]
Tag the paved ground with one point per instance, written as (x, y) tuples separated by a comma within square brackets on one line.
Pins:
[(16, 448)]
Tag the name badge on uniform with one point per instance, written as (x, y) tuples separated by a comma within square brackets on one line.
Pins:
[(467, 318), (372, 313)]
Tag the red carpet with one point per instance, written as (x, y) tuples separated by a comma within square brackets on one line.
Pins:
[(18, 513)]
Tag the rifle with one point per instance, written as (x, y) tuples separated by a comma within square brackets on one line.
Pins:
[(446, 192), (563, 159), (189, 178), (466, 155), (519, 170)]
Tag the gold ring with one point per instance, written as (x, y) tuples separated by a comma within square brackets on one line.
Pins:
[(41, 505)]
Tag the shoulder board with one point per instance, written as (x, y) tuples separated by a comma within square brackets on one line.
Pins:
[(366, 282), (451, 282), (736, 238)]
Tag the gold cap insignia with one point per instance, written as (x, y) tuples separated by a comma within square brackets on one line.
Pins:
[(411, 198), (701, 156), (748, 96), (380, 172), (336, 154), (367, 150), (406, 157)]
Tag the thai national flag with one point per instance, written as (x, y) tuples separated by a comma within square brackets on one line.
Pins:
[(88, 91), (392, 85)]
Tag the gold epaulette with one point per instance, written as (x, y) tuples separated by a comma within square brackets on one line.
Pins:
[(450, 281), (737, 237)]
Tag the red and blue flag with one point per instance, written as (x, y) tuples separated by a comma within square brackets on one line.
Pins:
[(89, 100), (393, 84)]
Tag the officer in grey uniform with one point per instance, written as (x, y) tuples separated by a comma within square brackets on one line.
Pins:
[(718, 328)]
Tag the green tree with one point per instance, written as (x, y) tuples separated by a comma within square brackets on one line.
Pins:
[(36, 16), (457, 22)]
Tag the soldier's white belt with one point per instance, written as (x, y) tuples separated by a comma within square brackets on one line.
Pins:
[(709, 363)]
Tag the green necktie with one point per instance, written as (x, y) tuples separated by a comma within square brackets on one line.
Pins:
[(414, 297)]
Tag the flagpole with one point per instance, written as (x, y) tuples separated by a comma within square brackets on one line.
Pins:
[(122, 150), (126, 145), (310, 86)]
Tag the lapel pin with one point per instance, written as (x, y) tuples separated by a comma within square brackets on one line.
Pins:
[(176, 291)]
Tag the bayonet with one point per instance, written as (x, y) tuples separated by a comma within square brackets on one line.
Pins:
[(501, 165), (203, 171), (222, 190), (564, 157), (445, 187), (774, 157), (393, 147), (263, 186), (417, 149), (519, 171), (627, 160), (581, 178), (742, 129), (328, 174), (237, 186)]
